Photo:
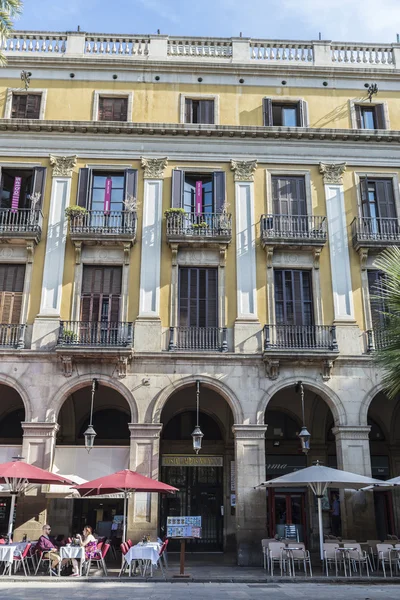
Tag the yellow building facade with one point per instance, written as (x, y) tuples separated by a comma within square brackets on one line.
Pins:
[(233, 197)]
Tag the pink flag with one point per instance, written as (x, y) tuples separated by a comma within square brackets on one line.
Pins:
[(107, 195), (199, 198), (16, 194)]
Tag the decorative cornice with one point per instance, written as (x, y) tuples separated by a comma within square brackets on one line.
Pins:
[(244, 169), (154, 167), (348, 432), (332, 172), (249, 432), (145, 430), (63, 165), (37, 430)]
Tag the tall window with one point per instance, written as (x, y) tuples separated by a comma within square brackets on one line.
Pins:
[(198, 297), (112, 200), (378, 206), (101, 294), (113, 109), (377, 300), (199, 111), (26, 106), (289, 195), (205, 203), (370, 116), (11, 290), (283, 114), (293, 298)]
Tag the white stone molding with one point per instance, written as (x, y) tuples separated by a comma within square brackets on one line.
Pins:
[(214, 97), (174, 285), (199, 257), (327, 369), (339, 245), (352, 432), (245, 251), (272, 368), (38, 443), (250, 432), (122, 365), (359, 174), (332, 172), (150, 274), (97, 94), (289, 172), (244, 169), (67, 365), (364, 102), (27, 284), (63, 166), (154, 167), (22, 92)]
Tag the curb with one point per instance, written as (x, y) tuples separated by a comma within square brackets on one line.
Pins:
[(245, 580)]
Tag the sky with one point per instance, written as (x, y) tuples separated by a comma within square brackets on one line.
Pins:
[(337, 20)]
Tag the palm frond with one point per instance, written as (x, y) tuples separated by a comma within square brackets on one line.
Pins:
[(9, 10), (12, 7)]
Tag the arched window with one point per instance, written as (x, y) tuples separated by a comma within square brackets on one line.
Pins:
[(10, 426)]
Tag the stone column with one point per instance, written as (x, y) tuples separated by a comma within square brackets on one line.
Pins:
[(247, 331), (148, 323), (145, 459), (251, 505), (348, 333), (357, 508), (38, 447), (45, 327)]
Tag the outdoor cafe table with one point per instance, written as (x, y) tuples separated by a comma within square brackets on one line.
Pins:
[(288, 551), (72, 552), (149, 551), (345, 550), (7, 552)]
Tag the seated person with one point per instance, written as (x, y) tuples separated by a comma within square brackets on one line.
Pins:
[(48, 549), (89, 542)]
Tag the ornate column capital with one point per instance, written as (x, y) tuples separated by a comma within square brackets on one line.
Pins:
[(145, 430), (332, 172), (349, 432), (249, 432), (63, 165), (41, 430), (154, 167), (244, 169)]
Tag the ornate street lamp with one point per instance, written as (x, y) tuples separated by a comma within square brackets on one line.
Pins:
[(90, 433), (197, 434), (304, 434)]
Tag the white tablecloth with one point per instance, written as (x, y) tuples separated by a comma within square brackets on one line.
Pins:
[(143, 552), (72, 552)]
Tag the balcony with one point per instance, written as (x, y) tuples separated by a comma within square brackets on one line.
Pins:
[(377, 339), (21, 224), (98, 227), (12, 335), (75, 334), (208, 229), (375, 232), (293, 231), (194, 339)]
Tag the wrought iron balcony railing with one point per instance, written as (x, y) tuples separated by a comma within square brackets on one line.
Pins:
[(198, 338), (375, 232), (216, 226), (100, 223), (12, 335), (20, 222), (287, 229), (300, 337), (377, 339), (94, 333)]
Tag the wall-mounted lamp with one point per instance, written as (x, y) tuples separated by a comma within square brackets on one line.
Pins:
[(197, 434), (304, 434), (90, 433)]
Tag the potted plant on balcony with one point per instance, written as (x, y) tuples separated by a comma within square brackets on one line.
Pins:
[(200, 228), (76, 214), (131, 205), (175, 217), (34, 198), (224, 218), (69, 336)]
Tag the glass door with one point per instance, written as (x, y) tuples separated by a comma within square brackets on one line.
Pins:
[(287, 515)]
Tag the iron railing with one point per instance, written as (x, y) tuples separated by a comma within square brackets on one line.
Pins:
[(375, 229), (212, 225), (21, 220), (98, 222), (95, 333), (198, 338), (300, 337), (301, 227), (377, 339), (12, 335)]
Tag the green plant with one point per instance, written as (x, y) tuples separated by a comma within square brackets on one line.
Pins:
[(9, 9), (75, 211), (174, 211), (201, 225), (69, 335)]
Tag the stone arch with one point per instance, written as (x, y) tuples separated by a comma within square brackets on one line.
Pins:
[(366, 403), (328, 395), (84, 381), (14, 384), (153, 414)]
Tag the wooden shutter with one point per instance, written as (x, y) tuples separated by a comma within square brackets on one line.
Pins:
[(376, 298), (38, 183), (105, 109), (385, 198), (11, 290), (198, 297), (219, 190), (206, 112), (18, 109), (289, 196), (119, 109), (33, 106), (130, 183), (293, 298), (188, 110), (83, 188), (357, 110), (101, 286), (364, 197), (380, 116), (302, 119), (267, 112), (177, 188)]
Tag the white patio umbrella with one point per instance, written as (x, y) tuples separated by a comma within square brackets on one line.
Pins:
[(319, 478)]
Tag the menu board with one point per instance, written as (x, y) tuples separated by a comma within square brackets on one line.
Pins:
[(184, 527)]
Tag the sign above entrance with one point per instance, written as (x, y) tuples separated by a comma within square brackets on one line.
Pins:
[(176, 460)]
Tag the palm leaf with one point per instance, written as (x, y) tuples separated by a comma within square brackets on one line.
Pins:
[(9, 9)]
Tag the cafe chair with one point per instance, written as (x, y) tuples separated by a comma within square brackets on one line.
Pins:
[(124, 550), (384, 556), (22, 559), (358, 556), (43, 558), (164, 554), (265, 550), (330, 556), (276, 550), (373, 553), (99, 559), (148, 563), (301, 556), (130, 543)]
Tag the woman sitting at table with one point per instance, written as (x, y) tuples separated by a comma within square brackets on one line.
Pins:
[(89, 542)]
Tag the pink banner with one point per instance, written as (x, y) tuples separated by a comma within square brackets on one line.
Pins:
[(199, 198), (107, 195), (16, 194)]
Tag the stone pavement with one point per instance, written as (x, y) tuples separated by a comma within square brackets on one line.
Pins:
[(64, 589)]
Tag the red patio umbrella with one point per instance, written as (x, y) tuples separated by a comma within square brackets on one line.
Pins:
[(125, 481), (18, 475)]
